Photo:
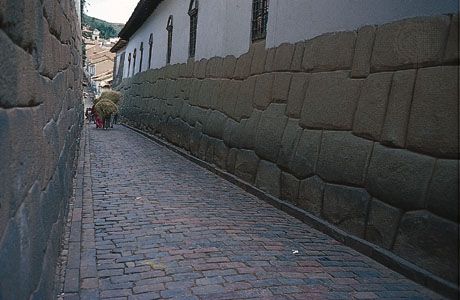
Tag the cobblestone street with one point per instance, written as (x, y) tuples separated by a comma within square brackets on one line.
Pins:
[(146, 223)]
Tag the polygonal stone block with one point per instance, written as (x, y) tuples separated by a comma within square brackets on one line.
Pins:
[(398, 109), (229, 129), (194, 92), (289, 189), (243, 66), (214, 67), (296, 97), (451, 52), (433, 124), (228, 96), (346, 207), (199, 70), (297, 57), (231, 160), (283, 57), (343, 157), (268, 178), (244, 135), (215, 124), (399, 177), (270, 131), (258, 59), (263, 91), (289, 142), (246, 165), (243, 108), (303, 162), (382, 224), (270, 60), (329, 52), (281, 85), (228, 66), (430, 242), (372, 105), (330, 101), (411, 43), (363, 51), (220, 154), (311, 191)]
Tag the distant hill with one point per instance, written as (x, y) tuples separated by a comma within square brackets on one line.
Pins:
[(107, 29)]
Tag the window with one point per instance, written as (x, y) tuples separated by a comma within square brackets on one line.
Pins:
[(134, 61), (259, 19), (193, 13), (129, 64), (150, 50), (169, 28), (141, 50)]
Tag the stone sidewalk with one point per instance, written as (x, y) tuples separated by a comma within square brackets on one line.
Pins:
[(147, 223)]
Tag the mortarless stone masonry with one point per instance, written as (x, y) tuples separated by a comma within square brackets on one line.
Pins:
[(363, 134), (40, 122)]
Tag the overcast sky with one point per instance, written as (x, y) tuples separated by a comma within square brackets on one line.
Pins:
[(115, 11)]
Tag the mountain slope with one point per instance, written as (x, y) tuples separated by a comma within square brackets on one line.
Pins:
[(107, 29)]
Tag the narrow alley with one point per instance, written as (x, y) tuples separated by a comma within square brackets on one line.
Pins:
[(146, 223)]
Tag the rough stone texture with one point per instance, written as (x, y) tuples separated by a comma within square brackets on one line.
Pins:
[(199, 70), (297, 57), (289, 142), (229, 95), (372, 106), (243, 66), (363, 50), (41, 115), (303, 161), (330, 101), (296, 96), (258, 59), (442, 198), (244, 103), (245, 133), (346, 207), (329, 52), (410, 43), (398, 109), (268, 178), (270, 60), (311, 192), (343, 157), (215, 124), (281, 85), (228, 66), (451, 52), (399, 177), (382, 224), (246, 165), (289, 188), (435, 103), (430, 242), (270, 132), (214, 67), (263, 91), (283, 57)]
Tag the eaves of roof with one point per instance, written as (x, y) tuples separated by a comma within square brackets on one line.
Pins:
[(142, 11), (119, 45)]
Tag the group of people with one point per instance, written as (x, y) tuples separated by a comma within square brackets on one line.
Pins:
[(100, 121)]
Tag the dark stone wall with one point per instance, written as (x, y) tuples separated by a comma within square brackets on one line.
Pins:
[(359, 128), (40, 122)]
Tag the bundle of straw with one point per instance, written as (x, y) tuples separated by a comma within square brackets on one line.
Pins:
[(109, 95), (105, 108)]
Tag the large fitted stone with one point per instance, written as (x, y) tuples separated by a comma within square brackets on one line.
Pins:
[(363, 50), (199, 70), (330, 101), (430, 242), (283, 57), (303, 162), (382, 223), (243, 66), (343, 157), (372, 105), (398, 110), (208, 93), (220, 154), (399, 177), (451, 52), (409, 43), (263, 91), (196, 115), (195, 138), (214, 67), (229, 96), (270, 132), (270, 59), (258, 59), (289, 187), (297, 57), (289, 142), (229, 130), (329, 52), (244, 135), (435, 103), (246, 165), (215, 124), (268, 178), (296, 96), (443, 193), (346, 207), (311, 191), (194, 92), (281, 85), (228, 66), (231, 160), (244, 103)]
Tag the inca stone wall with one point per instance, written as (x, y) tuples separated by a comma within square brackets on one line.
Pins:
[(359, 128), (40, 122)]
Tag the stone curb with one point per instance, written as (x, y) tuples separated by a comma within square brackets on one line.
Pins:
[(377, 253)]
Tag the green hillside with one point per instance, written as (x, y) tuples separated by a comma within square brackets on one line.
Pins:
[(108, 30)]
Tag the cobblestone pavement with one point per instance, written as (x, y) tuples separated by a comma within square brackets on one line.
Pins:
[(152, 225)]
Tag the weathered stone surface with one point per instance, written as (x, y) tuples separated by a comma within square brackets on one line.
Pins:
[(228, 96), (283, 57), (443, 193), (268, 178), (382, 223), (246, 165), (297, 57), (343, 157), (189, 68), (329, 52), (195, 139), (259, 56), (346, 207), (289, 142), (296, 97), (209, 89), (410, 43), (196, 115), (214, 67), (215, 124), (399, 177), (303, 162), (435, 103), (289, 190), (220, 154), (311, 191), (228, 66), (231, 160), (243, 108), (330, 101), (203, 147), (195, 86), (263, 91), (451, 52), (243, 66), (430, 242), (199, 70), (363, 50), (281, 85), (244, 135), (270, 132), (398, 110), (229, 130), (372, 105)]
